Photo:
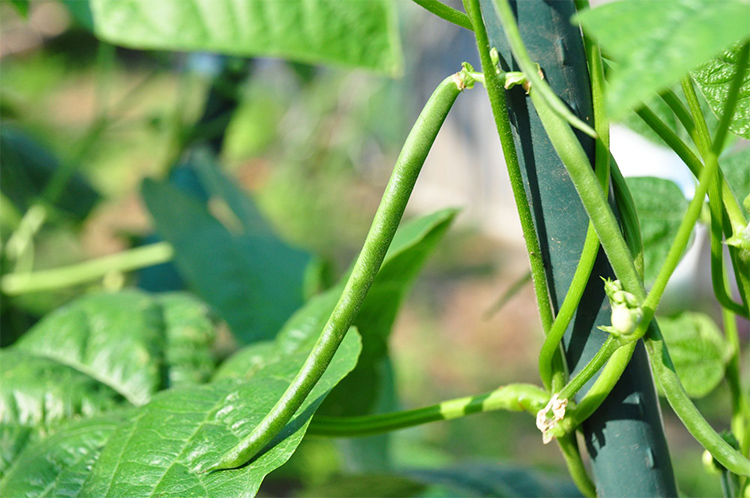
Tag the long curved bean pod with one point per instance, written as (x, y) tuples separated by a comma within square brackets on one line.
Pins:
[(379, 238)]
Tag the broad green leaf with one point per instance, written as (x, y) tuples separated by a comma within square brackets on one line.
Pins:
[(38, 394), (182, 431), (736, 169), (411, 246), (354, 33), (656, 43), (714, 79), (660, 206), (115, 339), (698, 350), (227, 252), (95, 354), (58, 465)]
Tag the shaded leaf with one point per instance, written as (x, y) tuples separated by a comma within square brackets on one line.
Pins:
[(714, 79), (351, 34), (656, 43), (660, 206), (227, 252), (698, 350), (493, 479), (27, 169), (469, 479), (81, 12)]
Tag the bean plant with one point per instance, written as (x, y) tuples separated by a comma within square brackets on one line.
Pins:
[(119, 393)]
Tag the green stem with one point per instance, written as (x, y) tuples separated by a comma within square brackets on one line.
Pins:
[(496, 93), (631, 227), (654, 296), (568, 308), (682, 113), (514, 397), (531, 70), (740, 400), (591, 368), (574, 462), (702, 140), (445, 12), (387, 218), (57, 278), (674, 142), (592, 196), (591, 244), (514, 289)]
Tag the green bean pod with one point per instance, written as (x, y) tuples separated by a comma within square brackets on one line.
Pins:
[(379, 238)]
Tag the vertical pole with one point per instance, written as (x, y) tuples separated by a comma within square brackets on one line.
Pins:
[(625, 436)]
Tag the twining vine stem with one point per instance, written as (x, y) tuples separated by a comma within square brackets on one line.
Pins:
[(494, 85)]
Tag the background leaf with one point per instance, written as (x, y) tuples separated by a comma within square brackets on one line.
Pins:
[(714, 79), (656, 43), (352, 33), (698, 350), (468, 479), (227, 252), (27, 169), (660, 205)]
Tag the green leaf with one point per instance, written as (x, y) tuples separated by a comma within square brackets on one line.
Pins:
[(411, 246), (698, 350), (227, 252), (38, 394), (341, 33), (737, 173), (58, 465), (98, 353), (190, 335), (656, 43), (660, 206), (181, 431), (714, 79), (116, 339)]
